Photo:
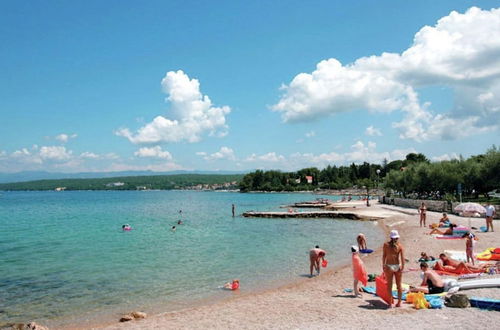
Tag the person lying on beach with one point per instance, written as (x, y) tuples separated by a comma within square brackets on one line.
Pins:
[(315, 255), (424, 257), (448, 231), (432, 283), (361, 241), (444, 221), (454, 266)]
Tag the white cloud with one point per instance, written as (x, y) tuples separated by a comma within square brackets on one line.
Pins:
[(55, 153), (270, 157), (462, 51), (193, 114), (154, 152), (89, 155), (223, 153), (310, 134), (359, 153), (63, 138), (160, 167), (445, 157), (372, 131)]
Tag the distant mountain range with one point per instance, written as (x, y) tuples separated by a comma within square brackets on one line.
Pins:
[(41, 175)]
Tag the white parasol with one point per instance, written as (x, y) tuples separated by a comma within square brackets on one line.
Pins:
[(469, 209)]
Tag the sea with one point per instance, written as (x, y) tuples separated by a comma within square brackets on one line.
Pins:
[(64, 258)]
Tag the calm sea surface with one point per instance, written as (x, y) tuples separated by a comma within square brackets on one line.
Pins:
[(64, 258)]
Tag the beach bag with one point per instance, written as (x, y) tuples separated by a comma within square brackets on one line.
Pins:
[(381, 289), (458, 300)]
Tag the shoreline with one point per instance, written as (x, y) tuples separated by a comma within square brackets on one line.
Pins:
[(320, 303)]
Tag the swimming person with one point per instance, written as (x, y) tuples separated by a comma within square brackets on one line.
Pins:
[(173, 228), (235, 285), (180, 222), (314, 257), (393, 263), (358, 271), (126, 227), (432, 283), (423, 216), (361, 241)]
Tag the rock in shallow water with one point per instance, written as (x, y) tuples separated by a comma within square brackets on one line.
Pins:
[(139, 315), (126, 318)]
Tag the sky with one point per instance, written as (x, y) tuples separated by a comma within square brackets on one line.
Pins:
[(100, 86)]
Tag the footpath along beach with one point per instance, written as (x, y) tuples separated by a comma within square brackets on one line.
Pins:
[(321, 303)]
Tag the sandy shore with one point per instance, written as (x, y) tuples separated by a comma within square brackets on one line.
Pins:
[(320, 303)]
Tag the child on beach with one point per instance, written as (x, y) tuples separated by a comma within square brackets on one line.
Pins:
[(469, 246), (361, 241), (358, 271)]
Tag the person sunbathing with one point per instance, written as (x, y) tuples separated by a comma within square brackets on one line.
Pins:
[(444, 221), (448, 231), (454, 266), (432, 283)]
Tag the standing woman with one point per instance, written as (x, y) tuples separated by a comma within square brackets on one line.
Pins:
[(422, 210), (393, 263)]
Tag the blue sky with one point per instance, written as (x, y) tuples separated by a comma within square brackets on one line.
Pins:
[(240, 85)]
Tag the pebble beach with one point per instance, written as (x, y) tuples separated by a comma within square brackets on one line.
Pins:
[(321, 303)]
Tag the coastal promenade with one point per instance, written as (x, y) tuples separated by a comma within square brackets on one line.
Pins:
[(321, 303)]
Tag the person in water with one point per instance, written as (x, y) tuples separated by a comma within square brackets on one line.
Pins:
[(393, 263), (358, 271), (180, 222), (315, 255), (126, 227), (448, 231), (235, 285), (423, 214), (173, 228), (432, 283), (361, 241), (233, 210)]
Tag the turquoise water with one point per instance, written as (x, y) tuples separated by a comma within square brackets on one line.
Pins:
[(64, 258)]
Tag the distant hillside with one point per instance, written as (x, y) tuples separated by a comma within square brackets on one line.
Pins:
[(41, 175), (163, 182)]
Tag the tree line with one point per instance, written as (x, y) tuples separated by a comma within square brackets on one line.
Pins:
[(161, 182), (414, 176)]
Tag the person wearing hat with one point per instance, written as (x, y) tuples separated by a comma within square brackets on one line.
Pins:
[(358, 270), (393, 263)]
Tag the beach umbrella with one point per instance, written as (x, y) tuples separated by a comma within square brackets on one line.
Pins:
[(469, 209)]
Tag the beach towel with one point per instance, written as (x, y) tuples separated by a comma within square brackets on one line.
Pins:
[(358, 269)]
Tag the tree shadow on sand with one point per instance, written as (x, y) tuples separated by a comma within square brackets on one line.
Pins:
[(375, 304)]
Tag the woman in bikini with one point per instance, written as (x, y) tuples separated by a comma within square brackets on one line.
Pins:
[(393, 263), (422, 210)]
